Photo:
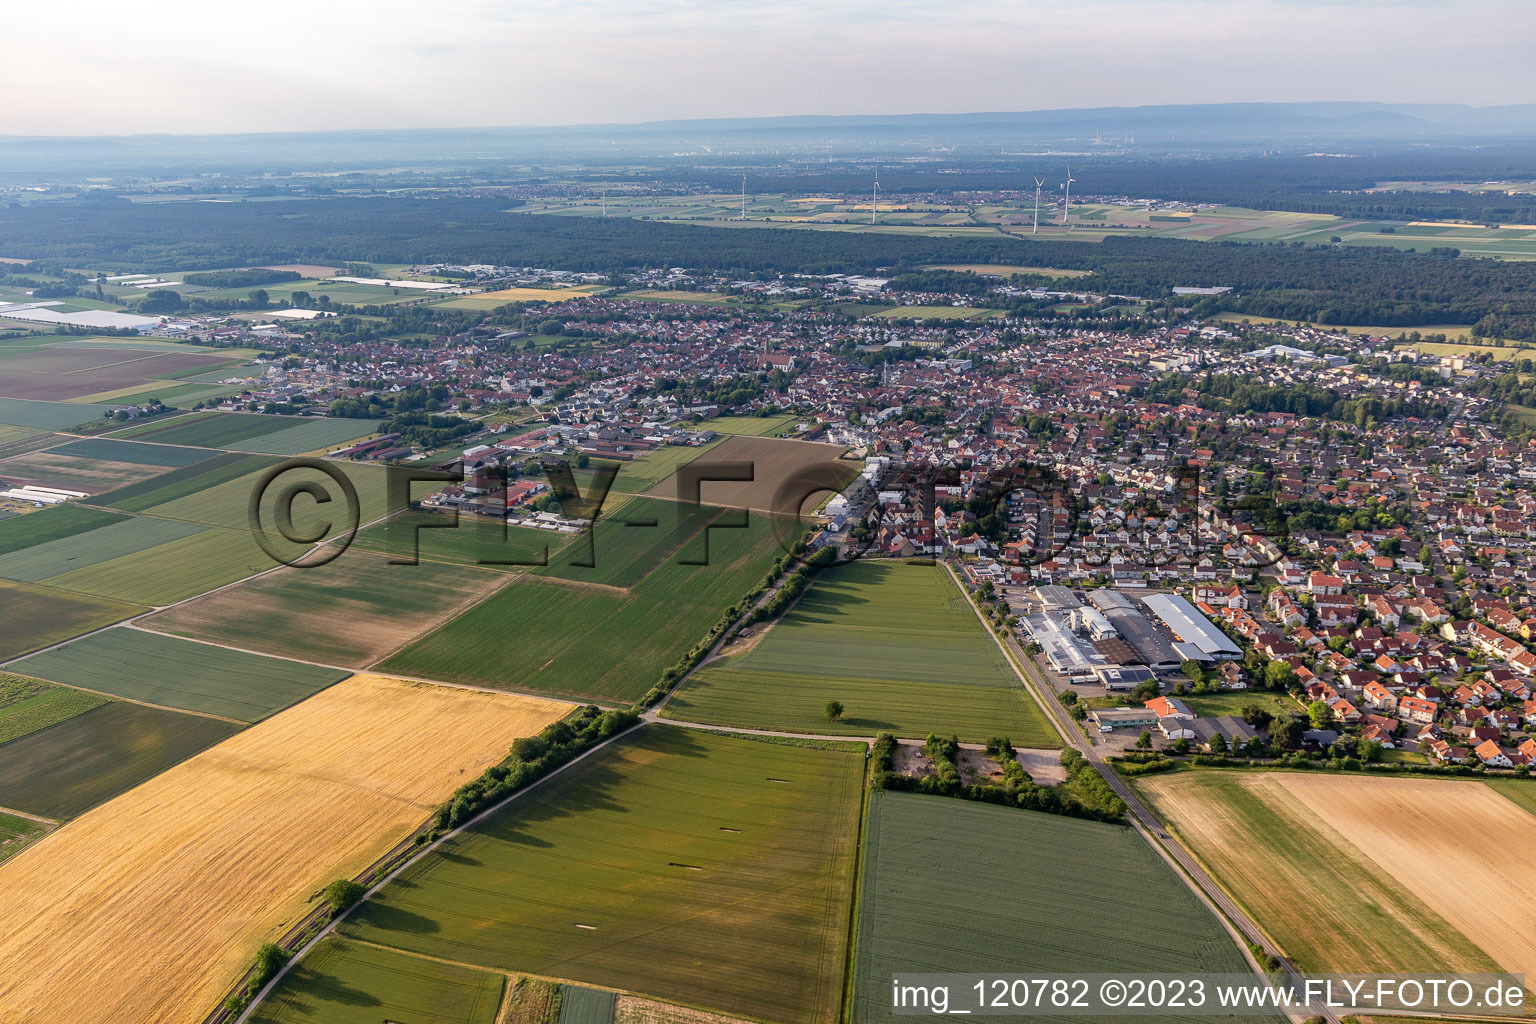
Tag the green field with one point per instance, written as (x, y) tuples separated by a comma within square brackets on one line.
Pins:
[(51, 524), (622, 549), (9, 433), (938, 313), (108, 450), (146, 427), (28, 705), (581, 1005), (679, 864), (897, 644), (16, 834), (182, 482), (655, 466), (36, 617), (71, 767), (569, 639), (1232, 702), (21, 412), (227, 504), (171, 572), (756, 426), (253, 432), (124, 537), (952, 886), (210, 429), (467, 540), (307, 435), (343, 982), (180, 674)]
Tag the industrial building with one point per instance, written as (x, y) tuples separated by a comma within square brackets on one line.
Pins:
[(1052, 598), (1093, 622), (1122, 718), (1067, 653), (1199, 639), (1123, 677), (1155, 651)]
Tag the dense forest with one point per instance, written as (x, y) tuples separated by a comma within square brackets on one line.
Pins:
[(1324, 284)]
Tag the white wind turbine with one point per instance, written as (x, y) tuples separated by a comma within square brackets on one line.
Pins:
[(1066, 208), (1039, 182), (874, 201), (743, 196)]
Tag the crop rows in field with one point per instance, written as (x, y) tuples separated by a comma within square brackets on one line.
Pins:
[(569, 638), (953, 886), (897, 644), (176, 673), (351, 611), (325, 989), (675, 848)]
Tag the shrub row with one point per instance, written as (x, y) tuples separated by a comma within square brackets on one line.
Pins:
[(1017, 790), (798, 580), (1142, 763), (533, 757), (270, 959)]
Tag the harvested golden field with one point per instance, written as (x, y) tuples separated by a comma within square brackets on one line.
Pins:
[(1443, 839), (1309, 877), (538, 294), (149, 907)]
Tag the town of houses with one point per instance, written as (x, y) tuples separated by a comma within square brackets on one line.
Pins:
[(1398, 589)]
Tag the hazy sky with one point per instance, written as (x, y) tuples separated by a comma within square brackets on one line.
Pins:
[(88, 67)]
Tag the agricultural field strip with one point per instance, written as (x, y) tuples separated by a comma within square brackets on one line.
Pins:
[(130, 620), (694, 788), (134, 534), (867, 657), (917, 912), (426, 850), (637, 635), (173, 672), (355, 754), (1421, 832), (373, 608), (324, 990), (1376, 921)]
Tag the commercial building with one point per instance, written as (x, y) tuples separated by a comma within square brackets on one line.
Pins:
[(1197, 636), (1123, 677), (1067, 653), (1122, 718), (1134, 629)]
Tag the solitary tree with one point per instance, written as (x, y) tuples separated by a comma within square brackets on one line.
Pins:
[(834, 710), (1320, 713), (342, 893)]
